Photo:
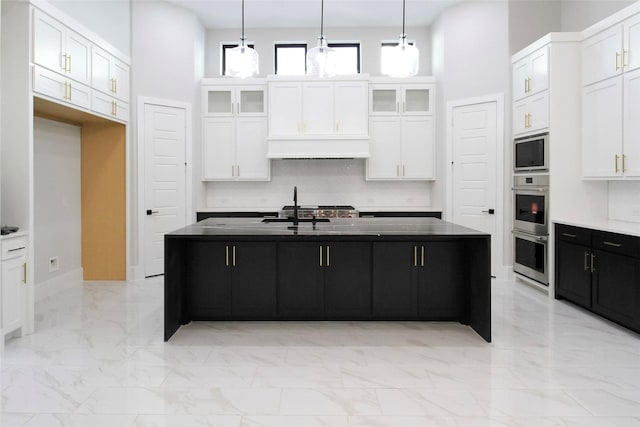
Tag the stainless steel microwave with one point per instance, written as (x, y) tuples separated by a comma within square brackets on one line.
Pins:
[(531, 153)]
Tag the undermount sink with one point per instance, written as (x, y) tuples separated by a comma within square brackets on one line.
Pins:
[(268, 220)]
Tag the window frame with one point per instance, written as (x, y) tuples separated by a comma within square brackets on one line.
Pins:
[(223, 53), (350, 44), (286, 45)]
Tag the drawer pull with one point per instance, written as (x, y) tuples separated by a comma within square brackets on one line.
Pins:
[(615, 245), (586, 261), (593, 264), (17, 249), (569, 235)]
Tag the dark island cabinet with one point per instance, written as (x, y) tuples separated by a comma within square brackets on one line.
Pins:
[(599, 271), (324, 280), (418, 280), (231, 280)]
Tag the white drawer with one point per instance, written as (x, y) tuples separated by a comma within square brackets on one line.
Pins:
[(14, 247)]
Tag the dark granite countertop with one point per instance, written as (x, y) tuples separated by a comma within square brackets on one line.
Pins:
[(337, 228)]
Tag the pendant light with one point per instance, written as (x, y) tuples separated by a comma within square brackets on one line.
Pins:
[(321, 60), (403, 59), (242, 60)]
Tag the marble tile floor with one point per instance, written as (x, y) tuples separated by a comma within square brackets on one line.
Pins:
[(97, 359)]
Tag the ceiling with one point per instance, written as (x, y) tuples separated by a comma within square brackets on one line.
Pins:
[(227, 14)]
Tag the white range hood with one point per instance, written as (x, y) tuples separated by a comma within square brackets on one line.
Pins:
[(315, 148)]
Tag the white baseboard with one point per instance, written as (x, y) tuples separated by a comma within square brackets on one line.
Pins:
[(135, 272), (52, 286)]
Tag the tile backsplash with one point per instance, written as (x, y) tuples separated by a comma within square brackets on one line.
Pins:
[(624, 201)]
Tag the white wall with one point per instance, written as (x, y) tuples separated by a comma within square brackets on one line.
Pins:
[(57, 181), (580, 14), (167, 48), (109, 19), (369, 38), (546, 14), (471, 59), (319, 182), (624, 201)]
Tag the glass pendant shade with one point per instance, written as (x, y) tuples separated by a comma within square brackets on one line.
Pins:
[(321, 60), (404, 59), (242, 61)]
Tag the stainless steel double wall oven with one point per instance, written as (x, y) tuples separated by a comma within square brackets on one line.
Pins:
[(531, 208)]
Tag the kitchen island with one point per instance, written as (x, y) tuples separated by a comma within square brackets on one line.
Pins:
[(346, 269)]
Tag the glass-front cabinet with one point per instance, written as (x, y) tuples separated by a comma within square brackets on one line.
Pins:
[(410, 99), (234, 101)]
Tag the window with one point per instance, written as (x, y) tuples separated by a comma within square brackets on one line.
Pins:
[(347, 57), (223, 63), (386, 48), (291, 59)]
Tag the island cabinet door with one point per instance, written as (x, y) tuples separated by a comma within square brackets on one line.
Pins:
[(395, 277), (253, 282), (441, 280), (209, 278), (301, 280), (347, 280)]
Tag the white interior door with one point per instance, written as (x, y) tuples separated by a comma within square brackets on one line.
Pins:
[(474, 171), (165, 180)]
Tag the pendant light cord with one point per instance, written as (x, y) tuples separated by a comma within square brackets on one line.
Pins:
[(243, 22), (403, 15), (321, 19)]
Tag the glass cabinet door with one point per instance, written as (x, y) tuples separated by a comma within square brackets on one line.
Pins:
[(417, 100), (384, 100), (219, 101), (251, 102)]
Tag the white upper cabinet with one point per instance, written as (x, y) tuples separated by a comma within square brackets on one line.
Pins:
[(234, 131), (401, 99), (61, 88), (234, 100), (317, 108), (611, 52), (531, 74), (531, 114), (61, 49), (402, 132), (108, 74), (602, 129)]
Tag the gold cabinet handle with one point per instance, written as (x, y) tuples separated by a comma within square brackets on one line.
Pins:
[(328, 257), (422, 257), (234, 256), (526, 85), (321, 256), (233, 171), (617, 57), (623, 167), (238, 171), (226, 257), (415, 256), (24, 273), (403, 171), (337, 126), (69, 64), (617, 169), (525, 121), (70, 93), (624, 58)]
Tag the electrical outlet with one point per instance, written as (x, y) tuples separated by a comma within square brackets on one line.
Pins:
[(54, 264)]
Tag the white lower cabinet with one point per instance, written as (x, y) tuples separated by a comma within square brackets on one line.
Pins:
[(14, 279), (235, 149), (401, 148)]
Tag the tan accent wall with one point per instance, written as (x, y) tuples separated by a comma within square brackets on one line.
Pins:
[(103, 190), (103, 201)]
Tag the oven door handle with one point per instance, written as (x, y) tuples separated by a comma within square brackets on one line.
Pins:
[(529, 236), (538, 189)]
